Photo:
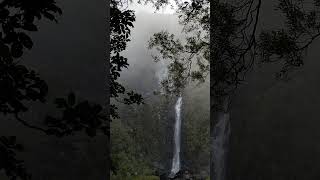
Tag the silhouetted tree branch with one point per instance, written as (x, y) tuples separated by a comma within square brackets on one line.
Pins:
[(120, 23), (25, 123)]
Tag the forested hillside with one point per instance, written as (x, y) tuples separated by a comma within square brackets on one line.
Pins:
[(142, 139)]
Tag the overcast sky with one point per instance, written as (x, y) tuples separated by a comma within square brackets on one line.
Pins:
[(150, 9)]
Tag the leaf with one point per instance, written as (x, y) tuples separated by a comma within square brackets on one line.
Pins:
[(26, 40), (130, 24), (21, 69), (16, 50), (32, 94), (49, 16)]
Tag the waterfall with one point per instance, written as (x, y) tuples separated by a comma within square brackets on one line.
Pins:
[(177, 137), (221, 134)]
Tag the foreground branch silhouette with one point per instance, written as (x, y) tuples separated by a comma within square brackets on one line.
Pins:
[(21, 85)]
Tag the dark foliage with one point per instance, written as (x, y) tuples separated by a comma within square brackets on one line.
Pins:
[(120, 23), (190, 59), (77, 117), (288, 44), (19, 84), (12, 167)]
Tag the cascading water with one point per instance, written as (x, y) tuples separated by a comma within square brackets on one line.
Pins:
[(177, 138), (176, 164), (221, 135)]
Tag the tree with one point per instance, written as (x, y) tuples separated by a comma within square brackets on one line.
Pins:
[(235, 46), (121, 21), (189, 60)]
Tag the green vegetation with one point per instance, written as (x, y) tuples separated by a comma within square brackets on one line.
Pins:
[(136, 178), (136, 141), (126, 156), (141, 141), (197, 127)]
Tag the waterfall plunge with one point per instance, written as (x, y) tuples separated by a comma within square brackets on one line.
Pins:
[(177, 137), (221, 135), (176, 165)]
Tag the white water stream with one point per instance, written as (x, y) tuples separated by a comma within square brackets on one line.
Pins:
[(220, 145), (177, 138)]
